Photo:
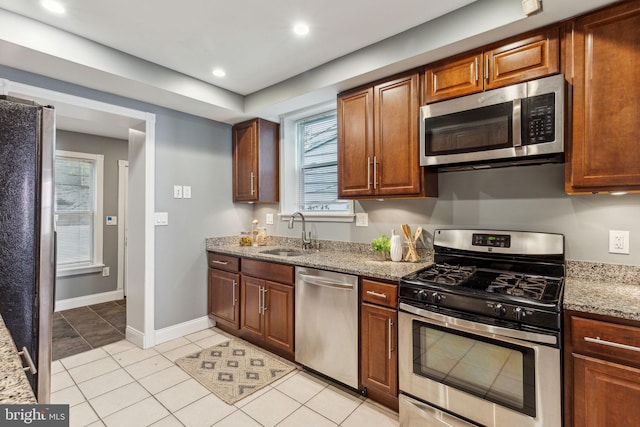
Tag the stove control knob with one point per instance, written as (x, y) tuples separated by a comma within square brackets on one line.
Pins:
[(499, 310), (436, 297), (519, 313), (422, 295)]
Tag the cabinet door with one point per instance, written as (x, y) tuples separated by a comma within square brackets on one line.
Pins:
[(454, 78), (605, 153), (251, 295), (224, 306), (379, 356), (245, 161), (278, 316), (355, 144), (526, 59), (397, 170), (605, 394)]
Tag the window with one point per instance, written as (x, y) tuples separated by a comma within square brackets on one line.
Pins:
[(311, 166), (78, 178)]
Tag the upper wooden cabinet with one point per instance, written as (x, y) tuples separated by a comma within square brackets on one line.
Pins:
[(604, 154), (526, 57), (378, 144), (255, 161)]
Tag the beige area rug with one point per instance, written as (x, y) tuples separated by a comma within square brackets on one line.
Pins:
[(234, 369)]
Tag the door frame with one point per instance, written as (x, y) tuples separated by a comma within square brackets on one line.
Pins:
[(123, 192), (140, 305)]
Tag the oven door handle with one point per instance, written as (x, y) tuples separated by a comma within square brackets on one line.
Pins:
[(469, 326)]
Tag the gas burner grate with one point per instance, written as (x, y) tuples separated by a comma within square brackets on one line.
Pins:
[(520, 285), (447, 274)]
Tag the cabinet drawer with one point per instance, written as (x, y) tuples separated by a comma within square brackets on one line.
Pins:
[(380, 293), (223, 262), (608, 340), (268, 271)]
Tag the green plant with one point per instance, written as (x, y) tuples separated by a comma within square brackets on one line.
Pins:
[(382, 244)]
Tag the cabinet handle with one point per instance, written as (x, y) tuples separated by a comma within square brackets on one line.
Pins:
[(368, 173), (260, 300), (476, 63), (377, 294), (486, 67), (390, 338), (31, 367), (233, 296), (264, 300), (253, 177), (375, 172), (597, 340), (215, 261)]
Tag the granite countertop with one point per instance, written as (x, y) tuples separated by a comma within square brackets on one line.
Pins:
[(343, 257), (598, 288), (14, 386)]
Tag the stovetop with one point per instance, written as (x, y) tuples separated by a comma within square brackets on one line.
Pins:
[(526, 289)]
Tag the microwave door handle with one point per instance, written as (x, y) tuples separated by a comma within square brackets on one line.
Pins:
[(517, 123)]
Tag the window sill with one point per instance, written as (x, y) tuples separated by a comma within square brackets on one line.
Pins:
[(76, 271), (321, 217)]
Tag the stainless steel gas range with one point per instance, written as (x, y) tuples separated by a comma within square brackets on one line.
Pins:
[(480, 331)]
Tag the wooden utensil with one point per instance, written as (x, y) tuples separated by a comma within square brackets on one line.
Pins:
[(412, 253)]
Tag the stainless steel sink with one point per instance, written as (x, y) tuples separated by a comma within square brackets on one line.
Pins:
[(283, 252)]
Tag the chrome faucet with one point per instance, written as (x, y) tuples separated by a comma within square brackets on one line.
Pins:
[(306, 242)]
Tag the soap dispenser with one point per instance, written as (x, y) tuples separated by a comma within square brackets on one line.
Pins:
[(396, 247)]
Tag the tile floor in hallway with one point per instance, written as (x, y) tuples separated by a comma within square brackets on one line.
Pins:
[(122, 385)]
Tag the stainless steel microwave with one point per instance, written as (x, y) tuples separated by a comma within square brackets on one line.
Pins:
[(517, 124)]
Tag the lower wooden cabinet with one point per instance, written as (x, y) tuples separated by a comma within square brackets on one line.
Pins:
[(378, 330), (224, 307), (602, 371)]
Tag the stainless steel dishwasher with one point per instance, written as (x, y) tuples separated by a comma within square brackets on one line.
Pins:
[(327, 323)]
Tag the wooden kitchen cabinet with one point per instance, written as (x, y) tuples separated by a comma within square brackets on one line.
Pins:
[(379, 336), (256, 161), (267, 306), (224, 290), (525, 57), (378, 143), (602, 371), (604, 153)]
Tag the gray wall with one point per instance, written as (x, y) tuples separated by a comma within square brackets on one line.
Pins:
[(518, 198), (189, 151), (113, 150)]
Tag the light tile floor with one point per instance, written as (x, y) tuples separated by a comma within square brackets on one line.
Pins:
[(122, 385)]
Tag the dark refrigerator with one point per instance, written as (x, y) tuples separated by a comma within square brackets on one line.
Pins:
[(27, 235)]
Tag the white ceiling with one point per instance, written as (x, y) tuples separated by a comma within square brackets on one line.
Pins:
[(251, 39), (163, 51)]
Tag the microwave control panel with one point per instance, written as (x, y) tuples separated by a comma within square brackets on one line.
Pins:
[(538, 119)]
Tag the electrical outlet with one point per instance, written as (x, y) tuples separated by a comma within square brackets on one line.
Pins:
[(362, 220), (177, 191), (269, 219), (618, 242), (105, 272)]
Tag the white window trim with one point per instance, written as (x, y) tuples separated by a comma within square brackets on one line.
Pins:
[(97, 264), (288, 172)]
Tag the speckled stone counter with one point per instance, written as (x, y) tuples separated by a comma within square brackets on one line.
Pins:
[(607, 289), (14, 387), (344, 257)]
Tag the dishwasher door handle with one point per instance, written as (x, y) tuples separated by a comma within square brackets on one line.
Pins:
[(327, 283)]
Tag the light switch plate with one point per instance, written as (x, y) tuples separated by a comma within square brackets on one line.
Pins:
[(162, 218), (177, 191), (186, 191), (269, 219), (618, 242), (362, 220)]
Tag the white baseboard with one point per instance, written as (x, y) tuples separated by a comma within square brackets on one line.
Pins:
[(70, 303), (176, 331), (135, 336)]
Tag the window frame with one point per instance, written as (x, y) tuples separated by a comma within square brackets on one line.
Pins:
[(97, 263), (289, 170)]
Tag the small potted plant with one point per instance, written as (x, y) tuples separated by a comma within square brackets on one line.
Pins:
[(381, 247)]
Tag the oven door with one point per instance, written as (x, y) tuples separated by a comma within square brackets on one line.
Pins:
[(490, 375)]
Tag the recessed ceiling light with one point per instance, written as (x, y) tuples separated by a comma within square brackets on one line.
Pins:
[(53, 6), (219, 72), (301, 29)]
